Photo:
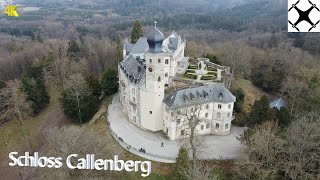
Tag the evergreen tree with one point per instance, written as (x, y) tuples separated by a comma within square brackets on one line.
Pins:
[(212, 58), (77, 101), (73, 49), (182, 164), (2, 84), (238, 105), (88, 106), (260, 112), (284, 117), (33, 84), (109, 82), (94, 85), (136, 32)]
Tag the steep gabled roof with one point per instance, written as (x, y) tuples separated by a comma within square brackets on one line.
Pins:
[(141, 46), (133, 69), (278, 103)]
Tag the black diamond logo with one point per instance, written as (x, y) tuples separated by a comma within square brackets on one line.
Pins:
[(304, 15)]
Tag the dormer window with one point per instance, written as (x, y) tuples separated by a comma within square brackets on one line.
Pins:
[(220, 96)]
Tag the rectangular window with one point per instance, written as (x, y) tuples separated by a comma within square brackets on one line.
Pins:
[(202, 126), (206, 115), (133, 91), (228, 115), (134, 109), (218, 115), (134, 119), (172, 114), (182, 132), (217, 125), (134, 99), (207, 125), (159, 60), (226, 126), (229, 106), (219, 106), (207, 106), (167, 61), (178, 121), (150, 60), (191, 109), (150, 112)]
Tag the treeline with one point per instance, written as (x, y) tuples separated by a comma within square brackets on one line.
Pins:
[(256, 15), (306, 41)]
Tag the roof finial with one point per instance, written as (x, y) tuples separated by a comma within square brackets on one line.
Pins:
[(155, 24)]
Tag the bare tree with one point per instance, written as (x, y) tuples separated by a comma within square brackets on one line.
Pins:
[(13, 105), (237, 56), (303, 147), (293, 88), (261, 157), (191, 117), (200, 171)]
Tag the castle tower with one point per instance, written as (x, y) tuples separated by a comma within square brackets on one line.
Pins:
[(151, 99)]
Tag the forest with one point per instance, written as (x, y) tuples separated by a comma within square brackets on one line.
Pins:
[(63, 56)]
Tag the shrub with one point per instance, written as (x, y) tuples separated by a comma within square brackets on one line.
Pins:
[(190, 76), (208, 78)]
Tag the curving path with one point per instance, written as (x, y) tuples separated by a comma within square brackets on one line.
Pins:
[(133, 138)]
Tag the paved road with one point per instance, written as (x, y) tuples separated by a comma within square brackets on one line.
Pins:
[(213, 147)]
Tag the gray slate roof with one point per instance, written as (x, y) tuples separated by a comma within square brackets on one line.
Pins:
[(129, 47), (173, 43), (141, 46), (278, 103), (155, 35), (133, 69), (202, 94)]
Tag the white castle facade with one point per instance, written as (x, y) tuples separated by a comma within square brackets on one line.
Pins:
[(146, 75)]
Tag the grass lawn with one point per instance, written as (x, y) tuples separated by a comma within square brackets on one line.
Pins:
[(252, 93), (11, 138)]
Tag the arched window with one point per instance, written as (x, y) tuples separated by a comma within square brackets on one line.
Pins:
[(166, 74), (159, 79), (166, 85), (167, 61)]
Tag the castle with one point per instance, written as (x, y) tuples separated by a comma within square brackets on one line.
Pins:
[(157, 95)]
